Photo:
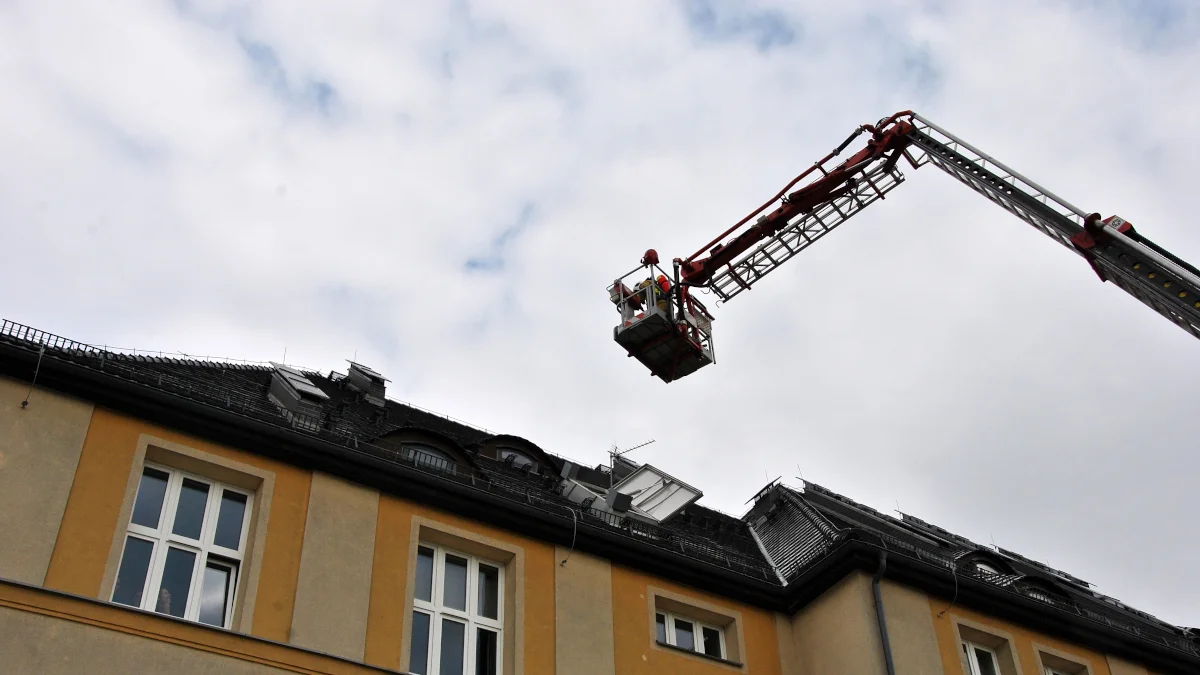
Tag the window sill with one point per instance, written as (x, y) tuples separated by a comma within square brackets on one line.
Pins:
[(702, 655)]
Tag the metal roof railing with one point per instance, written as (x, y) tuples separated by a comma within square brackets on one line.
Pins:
[(1012, 584), (250, 399)]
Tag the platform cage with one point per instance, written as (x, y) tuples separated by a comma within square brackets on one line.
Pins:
[(665, 328)]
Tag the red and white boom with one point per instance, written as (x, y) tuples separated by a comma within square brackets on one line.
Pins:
[(826, 195)]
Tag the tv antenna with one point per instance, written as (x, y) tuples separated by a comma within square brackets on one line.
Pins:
[(614, 453)]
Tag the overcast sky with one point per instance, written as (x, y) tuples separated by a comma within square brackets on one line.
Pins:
[(445, 190)]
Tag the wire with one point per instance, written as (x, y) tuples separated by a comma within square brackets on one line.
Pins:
[(574, 531), (36, 369), (953, 573)]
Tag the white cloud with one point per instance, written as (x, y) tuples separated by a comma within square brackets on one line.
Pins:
[(160, 189)]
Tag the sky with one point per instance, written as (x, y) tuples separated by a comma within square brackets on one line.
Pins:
[(444, 190)]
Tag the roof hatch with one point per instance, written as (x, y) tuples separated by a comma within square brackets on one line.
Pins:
[(656, 493), (370, 383), (295, 393)]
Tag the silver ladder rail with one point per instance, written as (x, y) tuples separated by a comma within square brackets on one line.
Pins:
[(802, 231), (1164, 283)]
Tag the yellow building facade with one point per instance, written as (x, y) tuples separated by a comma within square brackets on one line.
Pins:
[(326, 566)]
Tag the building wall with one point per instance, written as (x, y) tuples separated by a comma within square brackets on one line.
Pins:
[(910, 629), (529, 567), (39, 451), (92, 522), (636, 650), (330, 570), (1025, 644), (837, 632), (46, 632), (333, 589), (583, 615)]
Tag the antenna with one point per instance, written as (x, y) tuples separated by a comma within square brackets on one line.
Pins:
[(614, 453)]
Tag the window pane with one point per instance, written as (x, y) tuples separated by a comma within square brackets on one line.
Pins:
[(454, 586), (189, 515), (229, 520), (489, 591), (712, 642), (148, 505), (131, 576), (485, 652), (176, 579), (214, 594), (519, 460), (425, 574), (660, 627), (683, 635), (987, 665), (418, 657), (427, 458), (452, 652)]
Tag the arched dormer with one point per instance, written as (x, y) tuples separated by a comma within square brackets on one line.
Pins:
[(427, 450), (984, 563), (1045, 590), (518, 453)]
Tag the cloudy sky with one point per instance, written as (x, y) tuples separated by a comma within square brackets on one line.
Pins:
[(445, 190)]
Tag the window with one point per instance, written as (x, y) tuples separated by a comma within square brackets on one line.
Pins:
[(518, 459), (980, 659), (426, 457), (184, 547), (457, 614), (984, 567), (685, 633)]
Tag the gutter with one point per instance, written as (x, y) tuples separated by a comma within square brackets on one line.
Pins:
[(238, 430), (880, 615)]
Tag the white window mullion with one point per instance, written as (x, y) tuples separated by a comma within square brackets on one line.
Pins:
[(212, 510), (192, 610), (157, 560), (468, 644)]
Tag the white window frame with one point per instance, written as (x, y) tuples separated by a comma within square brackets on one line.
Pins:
[(436, 610), (163, 539), (973, 660), (697, 633)]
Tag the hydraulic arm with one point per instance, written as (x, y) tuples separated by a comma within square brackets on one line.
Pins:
[(1115, 250), (828, 194)]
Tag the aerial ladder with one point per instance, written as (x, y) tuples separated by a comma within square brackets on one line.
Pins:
[(666, 327)]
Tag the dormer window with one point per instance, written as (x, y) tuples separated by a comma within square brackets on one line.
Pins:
[(1045, 592), (983, 564), (986, 568), (427, 457), (518, 459)]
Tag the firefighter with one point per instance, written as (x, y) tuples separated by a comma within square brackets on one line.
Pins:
[(659, 289)]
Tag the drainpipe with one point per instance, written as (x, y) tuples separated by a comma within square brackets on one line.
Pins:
[(883, 632)]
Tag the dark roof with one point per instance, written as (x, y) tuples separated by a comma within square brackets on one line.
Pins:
[(798, 526), (791, 544)]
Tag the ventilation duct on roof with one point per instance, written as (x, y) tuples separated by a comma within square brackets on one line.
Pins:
[(370, 383), (295, 393)]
